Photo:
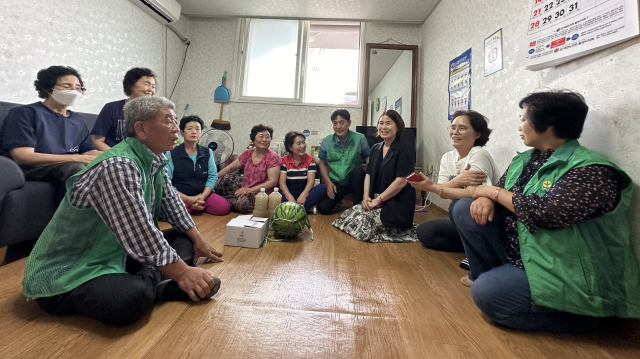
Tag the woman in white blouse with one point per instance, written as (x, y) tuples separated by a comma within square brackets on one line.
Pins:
[(468, 165)]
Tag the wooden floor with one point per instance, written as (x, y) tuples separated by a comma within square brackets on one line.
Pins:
[(334, 297)]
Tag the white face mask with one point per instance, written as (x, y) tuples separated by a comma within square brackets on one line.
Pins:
[(66, 97)]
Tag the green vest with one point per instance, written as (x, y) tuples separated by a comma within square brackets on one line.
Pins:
[(77, 246), (343, 157), (589, 268)]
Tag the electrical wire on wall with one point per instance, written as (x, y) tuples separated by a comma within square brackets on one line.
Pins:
[(166, 56), (181, 67)]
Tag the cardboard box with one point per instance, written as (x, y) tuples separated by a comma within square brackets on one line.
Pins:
[(246, 231)]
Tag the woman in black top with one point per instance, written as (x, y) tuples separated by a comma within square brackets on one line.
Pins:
[(386, 211)]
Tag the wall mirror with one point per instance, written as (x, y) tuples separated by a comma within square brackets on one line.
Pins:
[(390, 82)]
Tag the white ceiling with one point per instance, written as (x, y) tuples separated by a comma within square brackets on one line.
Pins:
[(408, 11)]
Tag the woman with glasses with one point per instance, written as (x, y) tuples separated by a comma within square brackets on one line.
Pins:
[(261, 167), (386, 211), (193, 172), (467, 165), (49, 142), (549, 245), (108, 130)]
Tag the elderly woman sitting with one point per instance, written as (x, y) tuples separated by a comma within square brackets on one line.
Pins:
[(49, 142), (298, 173), (193, 172), (549, 246), (261, 170), (109, 128)]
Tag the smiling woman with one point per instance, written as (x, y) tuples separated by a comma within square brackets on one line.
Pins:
[(261, 167), (468, 165), (387, 200)]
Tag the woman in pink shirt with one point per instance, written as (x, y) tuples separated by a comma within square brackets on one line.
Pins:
[(261, 169)]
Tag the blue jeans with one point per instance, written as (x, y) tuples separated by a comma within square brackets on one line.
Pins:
[(502, 290)]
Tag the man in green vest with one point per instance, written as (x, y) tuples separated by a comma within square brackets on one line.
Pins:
[(102, 255), (549, 246), (341, 157)]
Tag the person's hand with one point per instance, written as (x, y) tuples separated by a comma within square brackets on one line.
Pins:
[(482, 210), (196, 282), (195, 203), (366, 203), (301, 199), (84, 158), (331, 189), (243, 191), (204, 250), (290, 197), (425, 185), (470, 178)]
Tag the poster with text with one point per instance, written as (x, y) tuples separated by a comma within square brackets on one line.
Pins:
[(460, 83), (562, 30)]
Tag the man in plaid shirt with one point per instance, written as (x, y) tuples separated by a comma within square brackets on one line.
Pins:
[(102, 255)]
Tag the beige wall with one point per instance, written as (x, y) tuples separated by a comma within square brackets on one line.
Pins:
[(608, 80)]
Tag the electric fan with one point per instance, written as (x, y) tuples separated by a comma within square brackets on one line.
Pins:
[(220, 142)]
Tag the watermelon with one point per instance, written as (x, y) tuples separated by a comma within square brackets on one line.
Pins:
[(288, 219)]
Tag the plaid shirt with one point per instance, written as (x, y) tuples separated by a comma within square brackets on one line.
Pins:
[(113, 189)]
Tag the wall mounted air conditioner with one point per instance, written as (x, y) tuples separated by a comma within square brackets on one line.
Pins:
[(165, 11)]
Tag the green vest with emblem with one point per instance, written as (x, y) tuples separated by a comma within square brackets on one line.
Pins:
[(343, 158), (588, 268), (77, 246)]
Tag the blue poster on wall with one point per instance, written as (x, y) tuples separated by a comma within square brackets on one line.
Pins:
[(460, 83)]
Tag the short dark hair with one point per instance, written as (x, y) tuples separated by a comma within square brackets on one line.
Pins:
[(396, 118), (191, 118), (132, 76), (479, 123), (290, 138), (47, 78), (563, 110), (342, 113), (259, 128)]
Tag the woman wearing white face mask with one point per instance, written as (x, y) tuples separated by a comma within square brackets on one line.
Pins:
[(47, 140)]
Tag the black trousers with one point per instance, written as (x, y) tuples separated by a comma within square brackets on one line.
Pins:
[(56, 174), (441, 234), (121, 299), (356, 186)]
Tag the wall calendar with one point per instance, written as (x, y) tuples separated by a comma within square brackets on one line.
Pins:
[(562, 30)]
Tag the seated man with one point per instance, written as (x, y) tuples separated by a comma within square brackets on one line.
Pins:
[(47, 140), (341, 157), (102, 254)]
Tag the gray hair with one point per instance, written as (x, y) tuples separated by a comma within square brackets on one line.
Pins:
[(143, 108)]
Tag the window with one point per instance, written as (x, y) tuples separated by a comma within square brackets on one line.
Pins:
[(300, 61)]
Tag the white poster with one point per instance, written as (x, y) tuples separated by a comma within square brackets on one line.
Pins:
[(493, 53), (562, 30)]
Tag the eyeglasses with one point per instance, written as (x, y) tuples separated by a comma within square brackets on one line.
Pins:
[(263, 137), (70, 86), (460, 129)]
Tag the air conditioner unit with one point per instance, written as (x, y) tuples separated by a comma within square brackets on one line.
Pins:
[(165, 11)]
